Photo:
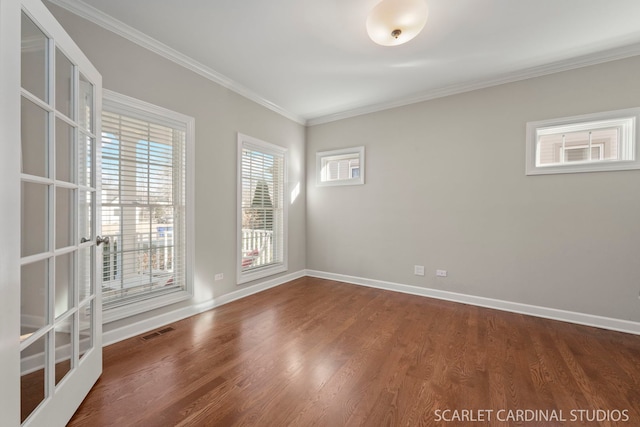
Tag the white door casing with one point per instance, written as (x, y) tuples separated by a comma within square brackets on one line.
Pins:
[(10, 212)]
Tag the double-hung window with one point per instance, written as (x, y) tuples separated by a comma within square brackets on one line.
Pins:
[(262, 209), (147, 169)]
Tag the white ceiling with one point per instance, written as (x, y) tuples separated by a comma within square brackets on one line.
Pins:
[(313, 61)]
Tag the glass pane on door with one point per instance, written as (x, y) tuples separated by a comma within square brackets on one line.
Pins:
[(34, 59), (85, 104), (84, 216), (34, 217), (64, 84), (64, 284), (34, 285), (64, 347), (84, 274), (34, 131), (65, 160), (86, 328), (33, 374), (85, 151), (65, 217)]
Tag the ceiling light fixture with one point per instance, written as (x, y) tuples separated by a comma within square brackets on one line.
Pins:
[(393, 22)]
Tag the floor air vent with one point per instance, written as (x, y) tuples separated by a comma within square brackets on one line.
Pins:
[(156, 334)]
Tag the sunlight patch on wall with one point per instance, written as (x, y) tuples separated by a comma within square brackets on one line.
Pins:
[(295, 192)]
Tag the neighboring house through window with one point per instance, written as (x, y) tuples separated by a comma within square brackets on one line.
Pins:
[(340, 167), (147, 207), (594, 142)]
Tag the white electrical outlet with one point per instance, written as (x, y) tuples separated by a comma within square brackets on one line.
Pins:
[(441, 273), (418, 270), (219, 276)]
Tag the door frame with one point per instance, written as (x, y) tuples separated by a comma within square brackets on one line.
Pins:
[(9, 211)]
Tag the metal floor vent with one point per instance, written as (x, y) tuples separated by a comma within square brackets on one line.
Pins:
[(157, 333)]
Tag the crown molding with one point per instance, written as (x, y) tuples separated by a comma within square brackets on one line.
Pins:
[(555, 67), (107, 22)]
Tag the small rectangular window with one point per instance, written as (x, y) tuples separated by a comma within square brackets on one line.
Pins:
[(594, 142), (340, 167)]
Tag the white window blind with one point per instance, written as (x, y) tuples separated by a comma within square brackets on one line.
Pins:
[(262, 209), (144, 207)]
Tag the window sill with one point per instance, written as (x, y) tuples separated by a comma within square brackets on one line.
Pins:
[(260, 273), (586, 167), (111, 314)]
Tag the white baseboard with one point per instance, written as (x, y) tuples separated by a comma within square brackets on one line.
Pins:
[(131, 330), (531, 310), (137, 328)]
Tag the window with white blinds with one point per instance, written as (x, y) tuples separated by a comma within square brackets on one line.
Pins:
[(262, 209), (145, 206)]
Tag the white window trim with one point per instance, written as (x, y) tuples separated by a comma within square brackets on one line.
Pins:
[(259, 273), (585, 122), (337, 154), (132, 107)]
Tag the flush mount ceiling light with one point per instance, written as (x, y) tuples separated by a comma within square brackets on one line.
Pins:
[(393, 22)]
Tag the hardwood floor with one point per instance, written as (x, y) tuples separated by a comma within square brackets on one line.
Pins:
[(318, 352)]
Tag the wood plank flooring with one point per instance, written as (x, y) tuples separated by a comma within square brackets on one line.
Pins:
[(314, 352)]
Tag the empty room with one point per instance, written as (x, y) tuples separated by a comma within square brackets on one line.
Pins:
[(320, 213)]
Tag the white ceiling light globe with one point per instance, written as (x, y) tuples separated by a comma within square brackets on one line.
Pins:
[(393, 22)]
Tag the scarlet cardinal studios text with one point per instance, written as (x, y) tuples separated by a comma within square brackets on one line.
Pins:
[(530, 415)]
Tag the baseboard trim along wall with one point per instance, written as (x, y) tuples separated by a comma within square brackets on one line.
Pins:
[(137, 328), (128, 331), (531, 310)]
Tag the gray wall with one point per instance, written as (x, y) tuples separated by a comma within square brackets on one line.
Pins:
[(446, 189), (219, 114), (445, 186)]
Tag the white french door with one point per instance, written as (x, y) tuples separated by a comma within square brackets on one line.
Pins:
[(60, 305)]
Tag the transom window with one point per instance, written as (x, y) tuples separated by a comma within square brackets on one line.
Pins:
[(595, 142), (340, 167)]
